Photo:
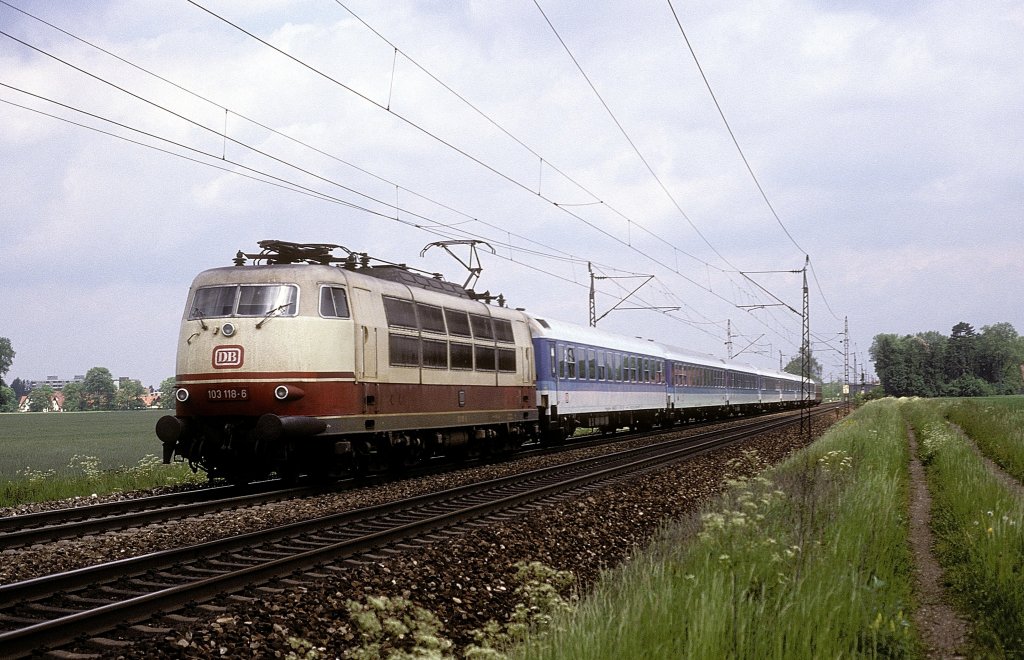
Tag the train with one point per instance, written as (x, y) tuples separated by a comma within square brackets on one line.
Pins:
[(297, 361)]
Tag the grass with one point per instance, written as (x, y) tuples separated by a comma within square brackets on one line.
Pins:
[(810, 560), (979, 528), (47, 456), (996, 424)]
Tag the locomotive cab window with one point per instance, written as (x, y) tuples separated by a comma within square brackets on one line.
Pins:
[(245, 300), (333, 302)]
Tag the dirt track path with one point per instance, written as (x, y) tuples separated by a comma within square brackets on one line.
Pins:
[(943, 630)]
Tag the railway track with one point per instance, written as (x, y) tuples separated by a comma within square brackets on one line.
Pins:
[(76, 522), (57, 609), (73, 522)]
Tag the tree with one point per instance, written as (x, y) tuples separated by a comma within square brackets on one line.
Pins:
[(890, 366), (795, 365), (961, 359), (129, 395), (73, 399), (1000, 355), (6, 356), (8, 399), (20, 387), (98, 389), (40, 399), (167, 387)]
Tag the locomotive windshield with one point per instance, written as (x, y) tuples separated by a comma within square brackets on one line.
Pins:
[(244, 300)]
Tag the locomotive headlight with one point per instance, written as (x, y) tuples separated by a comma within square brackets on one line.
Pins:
[(181, 394), (281, 392), (227, 329)]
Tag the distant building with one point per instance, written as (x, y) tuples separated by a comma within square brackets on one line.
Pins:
[(56, 384), (56, 403)]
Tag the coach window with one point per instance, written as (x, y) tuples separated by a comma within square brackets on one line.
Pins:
[(461, 355), (633, 369), (431, 318), (551, 356), (600, 365), (591, 364), (435, 354), (400, 313), (481, 326), (570, 362), (458, 322), (404, 350), (581, 363), (333, 302), (618, 367)]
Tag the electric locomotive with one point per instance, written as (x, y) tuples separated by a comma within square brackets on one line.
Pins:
[(304, 362)]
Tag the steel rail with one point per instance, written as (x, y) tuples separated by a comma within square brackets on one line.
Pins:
[(54, 524)]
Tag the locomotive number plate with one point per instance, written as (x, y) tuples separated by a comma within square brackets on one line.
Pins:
[(227, 394)]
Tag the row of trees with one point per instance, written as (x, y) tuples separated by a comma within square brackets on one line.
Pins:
[(96, 392), (966, 363), (8, 399)]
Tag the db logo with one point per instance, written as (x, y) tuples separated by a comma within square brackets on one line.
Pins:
[(228, 357)]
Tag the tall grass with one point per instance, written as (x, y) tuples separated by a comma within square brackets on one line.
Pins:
[(997, 426), (810, 560), (82, 477), (979, 525)]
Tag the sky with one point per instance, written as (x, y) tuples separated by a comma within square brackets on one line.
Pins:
[(143, 142)]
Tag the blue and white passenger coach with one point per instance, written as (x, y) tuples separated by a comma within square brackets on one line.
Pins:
[(590, 378)]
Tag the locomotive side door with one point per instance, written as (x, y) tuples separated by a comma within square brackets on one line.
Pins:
[(366, 335)]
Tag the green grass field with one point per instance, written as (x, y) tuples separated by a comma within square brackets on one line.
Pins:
[(48, 441), (52, 456)]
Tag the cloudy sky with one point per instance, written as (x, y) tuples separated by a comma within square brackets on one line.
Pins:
[(142, 142)]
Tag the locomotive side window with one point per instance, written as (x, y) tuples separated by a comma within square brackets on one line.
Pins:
[(458, 322), (484, 358), (405, 351), (333, 302), (503, 330), (435, 354), (481, 326), (506, 359), (461, 355), (400, 313), (431, 318)]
